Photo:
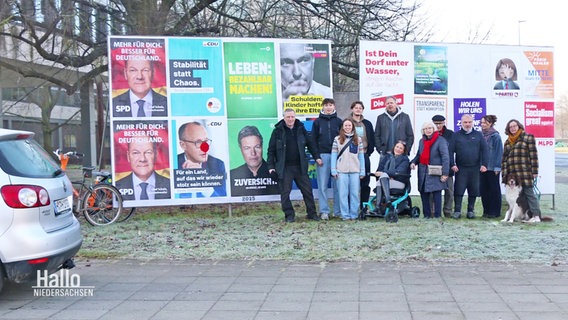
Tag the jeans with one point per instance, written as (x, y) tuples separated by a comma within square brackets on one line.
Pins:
[(323, 177), (348, 186)]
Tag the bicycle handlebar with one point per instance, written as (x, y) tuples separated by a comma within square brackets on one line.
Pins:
[(73, 154)]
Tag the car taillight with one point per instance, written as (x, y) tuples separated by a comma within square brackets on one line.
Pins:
[(38, 261), (24, 196)]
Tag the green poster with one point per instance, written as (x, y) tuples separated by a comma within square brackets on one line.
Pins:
[(250, 82), (248, 146)]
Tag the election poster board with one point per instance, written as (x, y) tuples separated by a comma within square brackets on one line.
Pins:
[(191, 118), (511, 82)]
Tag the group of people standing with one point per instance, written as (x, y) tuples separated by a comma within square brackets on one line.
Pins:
[(448, 162)]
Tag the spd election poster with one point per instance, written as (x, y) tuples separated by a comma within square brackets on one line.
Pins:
[(191, 117)]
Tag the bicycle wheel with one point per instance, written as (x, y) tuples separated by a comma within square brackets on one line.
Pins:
[(102, 205), (126, 213)]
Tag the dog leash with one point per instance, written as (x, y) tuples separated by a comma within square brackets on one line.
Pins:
[(536, 189)]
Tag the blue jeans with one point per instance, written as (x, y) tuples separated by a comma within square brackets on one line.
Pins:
[(348, 186), (323, 177)]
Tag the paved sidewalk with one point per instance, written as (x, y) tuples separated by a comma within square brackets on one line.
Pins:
[(128, 289)]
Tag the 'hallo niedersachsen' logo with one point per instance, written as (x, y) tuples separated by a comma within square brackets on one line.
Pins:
[(60, 284)]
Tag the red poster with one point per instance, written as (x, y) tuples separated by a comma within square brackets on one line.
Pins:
[(539, 119)]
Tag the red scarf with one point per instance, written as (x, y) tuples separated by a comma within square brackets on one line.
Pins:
[(425, 155)]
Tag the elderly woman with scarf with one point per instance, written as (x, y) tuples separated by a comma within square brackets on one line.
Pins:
[(489, 186), (520, 157), (393, 172), (432, 150)]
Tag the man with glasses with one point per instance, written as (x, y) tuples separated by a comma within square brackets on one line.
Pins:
[(195, 143), (252, 178), (140, 100), (440, 122), (143, 183)]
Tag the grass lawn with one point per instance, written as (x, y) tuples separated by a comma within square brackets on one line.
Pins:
[(257, 231)]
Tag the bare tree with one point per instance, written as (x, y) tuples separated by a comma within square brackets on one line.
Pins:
[(64, 42), (72, 34)]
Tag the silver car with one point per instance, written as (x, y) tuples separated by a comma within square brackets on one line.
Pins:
[(38, 230)]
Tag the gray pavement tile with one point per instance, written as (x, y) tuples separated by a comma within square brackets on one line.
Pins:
[(336, 287), (292, 290), (385, 315), (203, 305), (199, 296), (484, 307), (287, 296), (331, 297), (233, 315), (492, 315), (438, 316), (154, 295), (244, 296), (179, 314), (384, 306), (381, 288), (273, 305), (381, 280), (225, 305), (135, 310), (336, 306), (542, 315), (281, 315), (243, 287), (429, 296), (80, 314), (329, 315), (437, 307), (420, 288), (382, 297), (256, 280)]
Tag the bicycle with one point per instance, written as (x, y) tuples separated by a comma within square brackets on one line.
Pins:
[(100, 203)]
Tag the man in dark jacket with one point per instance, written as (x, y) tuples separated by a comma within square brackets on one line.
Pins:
[(393, 125), (325, 129), (287, 157), (440, 122), (364, 129), (471, 153)]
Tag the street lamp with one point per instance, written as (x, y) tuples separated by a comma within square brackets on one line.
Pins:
[(519, 29)]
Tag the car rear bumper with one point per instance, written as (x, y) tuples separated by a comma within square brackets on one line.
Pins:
[(22, 271)]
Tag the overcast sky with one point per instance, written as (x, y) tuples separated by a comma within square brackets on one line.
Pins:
[(544, 24)]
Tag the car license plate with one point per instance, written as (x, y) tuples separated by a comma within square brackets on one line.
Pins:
[(62, 206)]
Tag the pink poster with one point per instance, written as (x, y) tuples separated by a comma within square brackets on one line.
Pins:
[(539, 119)]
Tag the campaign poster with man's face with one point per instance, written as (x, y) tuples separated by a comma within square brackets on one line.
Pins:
[(138, 77), (199, 166), (142, 168), (248, 147), (305, 76)]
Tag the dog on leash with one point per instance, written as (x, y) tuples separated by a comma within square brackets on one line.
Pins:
[(517, 201), (518, 205)]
